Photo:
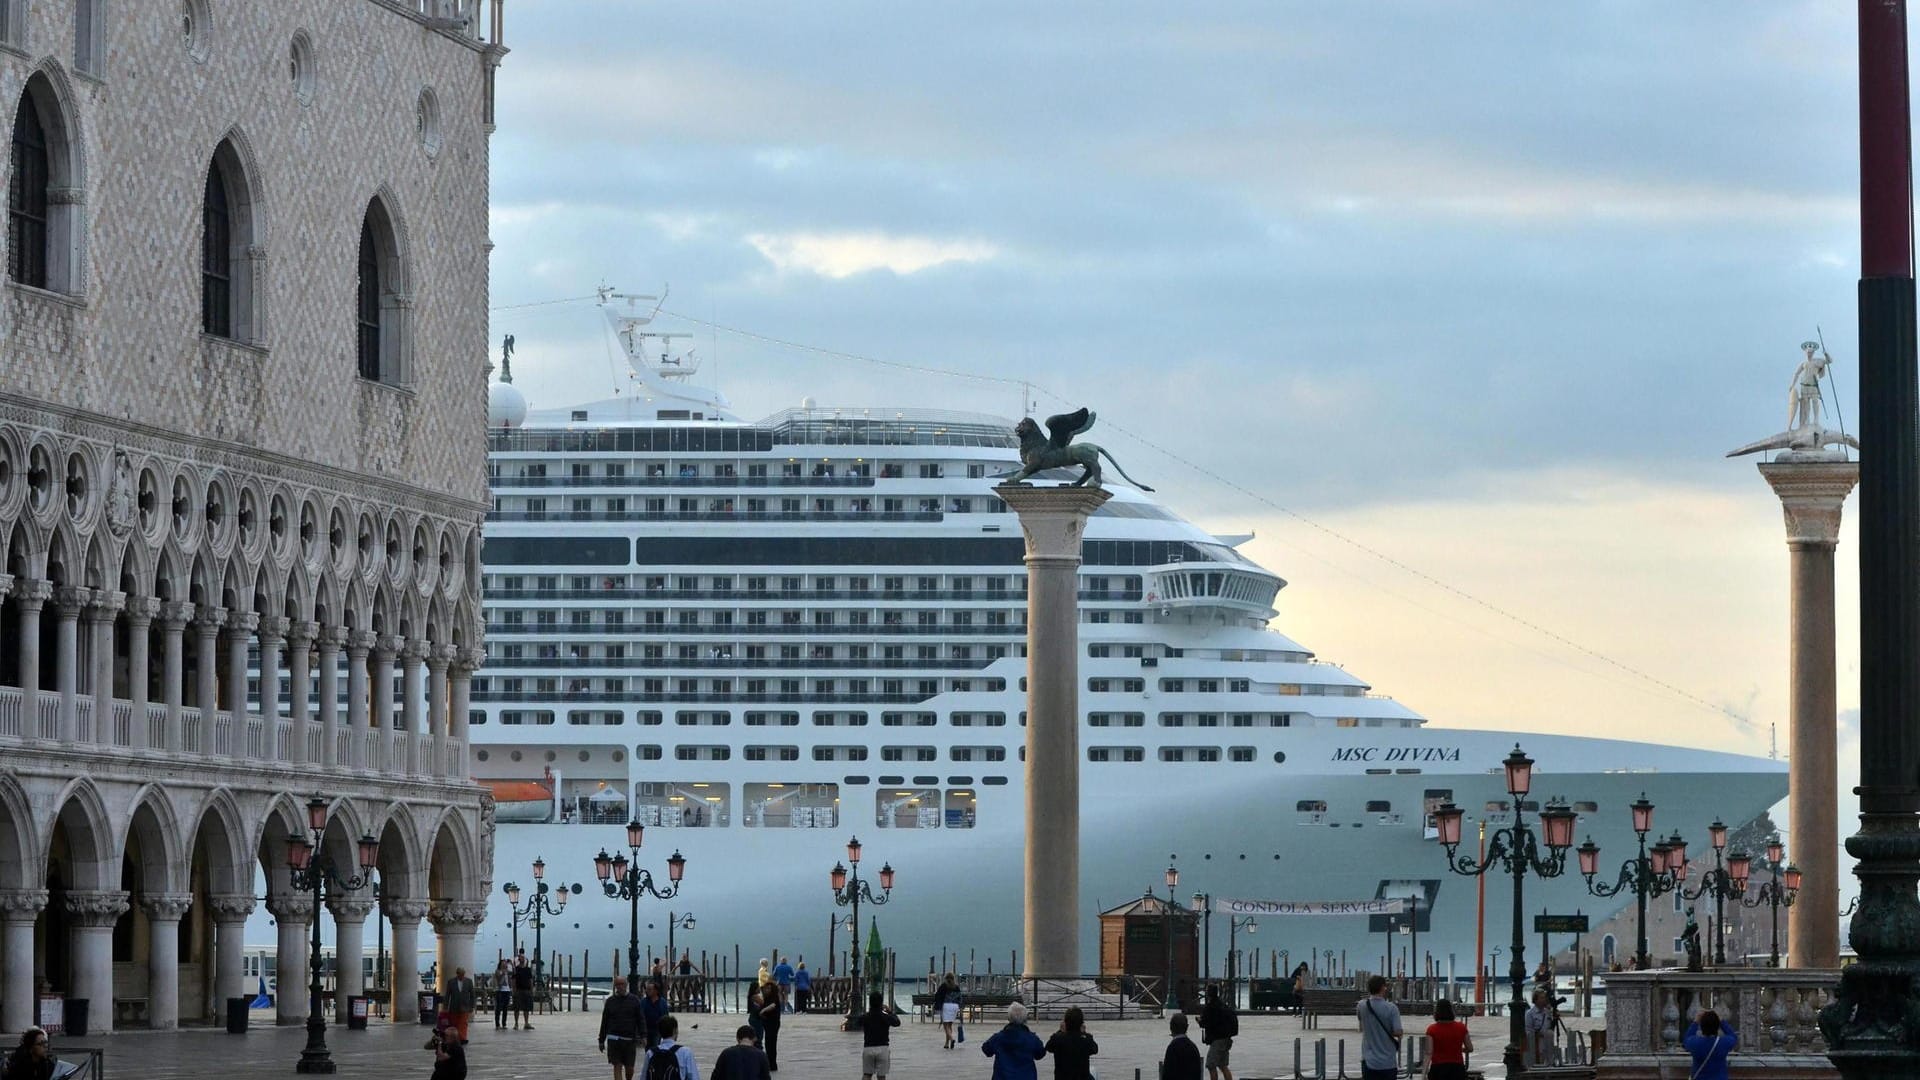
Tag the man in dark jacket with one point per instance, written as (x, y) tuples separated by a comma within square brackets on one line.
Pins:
[(622, 1023), (1183, 1058), (653, 1009), (742, 1060), (1219, 1024), (460, 1001)]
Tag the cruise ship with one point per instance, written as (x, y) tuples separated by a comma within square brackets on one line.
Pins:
[(762, 638)]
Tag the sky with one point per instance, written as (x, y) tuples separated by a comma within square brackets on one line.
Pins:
[(1457, 307)]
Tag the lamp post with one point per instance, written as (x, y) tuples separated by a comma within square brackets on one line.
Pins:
[(539, 905), (1647, 876), (1171, 998), (682, 921), (309, 869), (849, 889), (1778, 892), (1235, 924), (622, 877), (1203, 904), (1516, 850), (1718, 884)]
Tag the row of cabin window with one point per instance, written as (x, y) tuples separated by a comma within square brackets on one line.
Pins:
[(757, 718), (497, 652), (45, 177)]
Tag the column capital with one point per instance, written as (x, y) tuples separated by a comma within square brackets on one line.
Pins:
[(96, 907), (360, 643), (330, 637), (353, 908), (34, 591), (471, 659), (403, 910), (167, 907), (302, 632), (231, 907), (175, 613), (290, 907), (6, 585), (457, 916), (210, 618), (273, 628), (443, 656), (105, 604), (22, 904), (1052, 517), (69, 599), (389, 644), (142, 609), (416, 650), (1812, 495), (242, 623)]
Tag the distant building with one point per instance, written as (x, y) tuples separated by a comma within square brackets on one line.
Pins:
[(242, 397)]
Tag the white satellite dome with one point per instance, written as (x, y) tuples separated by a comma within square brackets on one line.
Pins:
[(506, 405)]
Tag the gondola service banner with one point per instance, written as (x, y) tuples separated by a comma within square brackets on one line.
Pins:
[(1392, 905)]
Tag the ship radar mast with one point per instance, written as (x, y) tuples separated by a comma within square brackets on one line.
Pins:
[(629, 314)]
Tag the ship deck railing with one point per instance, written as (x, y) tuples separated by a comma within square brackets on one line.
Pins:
[(717, 515), (680, 481)]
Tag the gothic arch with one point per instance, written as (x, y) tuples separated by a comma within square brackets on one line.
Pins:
[(450, 863), (19, 839), (92, 856), (384, 292), (55, 261), (402, 870), (154, 829), (223, 835)]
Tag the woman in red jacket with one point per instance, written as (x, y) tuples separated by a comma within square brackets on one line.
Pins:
[(1450, 1044)]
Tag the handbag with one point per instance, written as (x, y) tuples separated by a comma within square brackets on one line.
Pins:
[(959, 1032)]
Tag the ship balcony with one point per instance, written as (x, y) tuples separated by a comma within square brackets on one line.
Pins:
[(719, 515), (723, 698), (1239, 590), (791, 596), (753, 630), (497, 665), (508, 483)]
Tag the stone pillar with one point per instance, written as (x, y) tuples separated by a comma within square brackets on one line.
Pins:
[(273, 644), (19, 908), (164, 912), (92, 914), (67, 602), (100, 613), (405, 915), (299, 677), (1053, 520), (437, 663), (31, 595), (140, 613), (349, 929), (174, 616), (240, 629), (461, 691), (293, 917), (359, 644), (455, 922), (327, 642), (413, 705), (229, 943), (1813, 487), (6, 587), (384, 650), (206, 688)]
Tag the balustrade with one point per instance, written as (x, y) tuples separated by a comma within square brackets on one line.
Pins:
[(123, 723), (222, 734), (190, 737), (83, 719), (1774, 1010), (49, 714), (10, 723), (155, 736), (256, 738)]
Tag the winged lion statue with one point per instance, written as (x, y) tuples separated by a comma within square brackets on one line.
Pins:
[(1057, 450)]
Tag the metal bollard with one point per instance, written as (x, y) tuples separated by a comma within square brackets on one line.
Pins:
[(1320, 1059), (1342, 1060)]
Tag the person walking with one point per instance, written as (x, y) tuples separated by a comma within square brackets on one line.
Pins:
[(742, 1060), (1015, 1050), (1379, 1033), (1071, 1048), (461, 1000), (1450, 1044), (876, 1036), (802, 987), (1182, 1060), (522, 993), (502, 993), (623, 1026), (1710, 1039), (772, 1002), (946, 1000), (1219, 1024), (783, 978), (670, 1060), (653, 1009)]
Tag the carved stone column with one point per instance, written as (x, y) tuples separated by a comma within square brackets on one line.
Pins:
[(405, 916), (460, 681), (1054, 520), (455, 922), (92, 914), (229, 929), (360, 644), (272, 638), (164, 912), (384, 650), (413, 676), (30, 594), (300, 637), (67, 604), (174, 616), (140, 613), (19, 909), (6, 587), (100, 613), (293, 916), (437, 663), (206, 687), (349, 930), (327, 695)]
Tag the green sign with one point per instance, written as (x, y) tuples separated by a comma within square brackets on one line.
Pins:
[(1559, 924)]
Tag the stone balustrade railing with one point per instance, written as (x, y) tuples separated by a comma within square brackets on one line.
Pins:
[(1773, 1010)]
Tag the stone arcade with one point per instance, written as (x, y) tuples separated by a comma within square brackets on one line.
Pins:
[(242, 396)]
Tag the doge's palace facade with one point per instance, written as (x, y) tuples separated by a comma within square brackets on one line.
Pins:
[(242, 411)]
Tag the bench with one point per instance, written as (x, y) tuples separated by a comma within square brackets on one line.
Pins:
[(129, 1011)]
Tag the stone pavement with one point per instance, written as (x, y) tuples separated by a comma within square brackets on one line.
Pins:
[(562, 1048)]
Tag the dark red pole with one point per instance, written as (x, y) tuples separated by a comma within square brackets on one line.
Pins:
[(1886, 150)]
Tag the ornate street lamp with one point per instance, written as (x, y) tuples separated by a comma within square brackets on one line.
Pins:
[(622, 877), (1235, 924), (1717, 883), (310, 869), (1646, 876), (1516, 850), (682, 921), (1782, 886), (1173, 882), (849, 889), (542, 903)]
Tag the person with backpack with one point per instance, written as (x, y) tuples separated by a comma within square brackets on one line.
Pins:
[(670, 1060), (623, 1026), (876, 1036), (1710, 1039), (1219, 1024), (1014, 1050), (1379, 1033), (742, 1060)]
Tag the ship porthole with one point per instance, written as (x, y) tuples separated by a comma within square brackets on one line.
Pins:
[(515, 755), (551, 756), (1279, 757), (619, 755), (585, 756), (481, 755)]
